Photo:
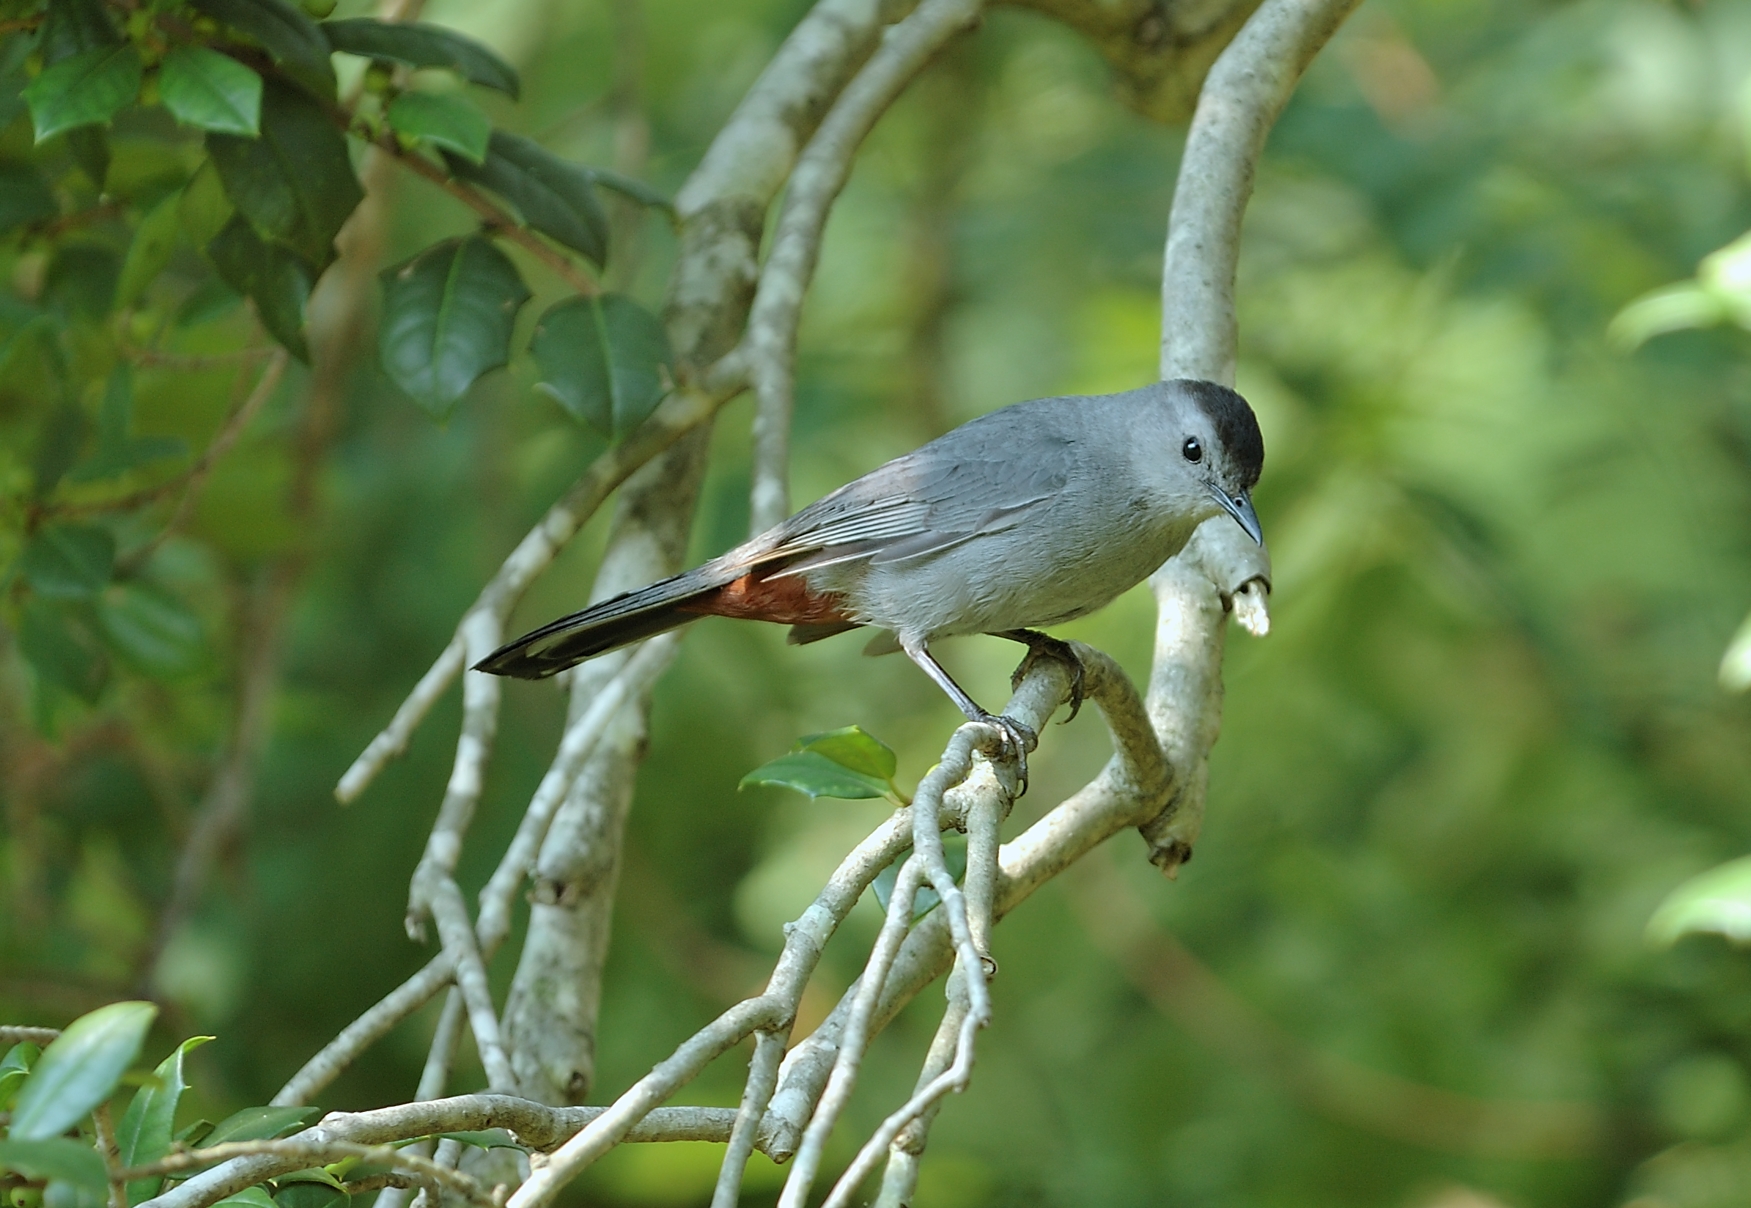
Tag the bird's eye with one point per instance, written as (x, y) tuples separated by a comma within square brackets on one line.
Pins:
[(1193, 451)]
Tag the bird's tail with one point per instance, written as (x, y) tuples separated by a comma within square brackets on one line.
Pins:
[(607, 626)]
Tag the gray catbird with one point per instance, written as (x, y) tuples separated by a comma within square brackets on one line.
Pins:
[(1026, 517)]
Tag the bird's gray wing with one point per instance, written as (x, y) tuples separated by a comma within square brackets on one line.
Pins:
[(944, 494)]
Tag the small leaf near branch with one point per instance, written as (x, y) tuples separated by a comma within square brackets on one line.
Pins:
[(275, 278), (80, 1069), (150, 630), (417, 44), (954, 855), (855, 748), (55, 1158), (605, 359), (68, 561), (210, 91), (555, 197), (286, 33), (146, 1128), (91, 86), (260, 1124), (813, 774), (62, 651), (489, 1138), (447, 319), (446, 120)]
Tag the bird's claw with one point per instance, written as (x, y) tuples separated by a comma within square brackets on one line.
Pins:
[(1017, 740), (1040, 645)]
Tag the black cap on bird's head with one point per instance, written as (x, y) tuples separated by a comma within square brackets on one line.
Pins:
[(1234, 467)]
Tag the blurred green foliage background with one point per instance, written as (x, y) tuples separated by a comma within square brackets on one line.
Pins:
[(1483, 741)]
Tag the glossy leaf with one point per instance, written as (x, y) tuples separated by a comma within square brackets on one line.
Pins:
[(1718, 900), (446, 120), (80, 1069), (292, 38), (13, 1069), (153, 244), (249, 1197), (91, 86), (210, 91), (68, 561), (55, 1158), (277, 280), (25, 197), (144, 1133), (150, 630), (555, 197), (605, 359), (634, 190), (854, 748), (295, 183), (421, 45), (447, 319), (62, 651), (813, 774), (309, 1194), (954, 854), (261, 1124)]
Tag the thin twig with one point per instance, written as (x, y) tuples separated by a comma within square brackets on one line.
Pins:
[(821, 172), (756, 1094), (112, 1155), (900, 1179), (11, 1034)]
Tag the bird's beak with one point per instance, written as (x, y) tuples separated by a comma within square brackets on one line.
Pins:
[(1240, 507)]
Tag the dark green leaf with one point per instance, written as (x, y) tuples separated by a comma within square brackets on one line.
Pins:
[(55, 1158), (293, 39), (447, 319), (626, 186), (150, 630), (489, 1138), (278, 281), (420, 45), (91, 86), (203, 209), (310, 1195), (89, 146), (213, 299), (211, 91), (954, 854), (446, 120), (81, 280), (118, 451), (68, 561), (80, 1069), (249, 1197), (61, 651), (261, 1124), (851, 747), (71, 26), (194, 1134), (154, 241), (605, 359), (312, 1174), (57, 448), (25, 197), (144, 1133), (555, 197), (812, 773), (295, 183)]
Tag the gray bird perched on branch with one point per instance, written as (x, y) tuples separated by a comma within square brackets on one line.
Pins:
[(1026, 517)]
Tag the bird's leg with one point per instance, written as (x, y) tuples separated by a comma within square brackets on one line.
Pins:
[(1043, 645), (1016, 736)]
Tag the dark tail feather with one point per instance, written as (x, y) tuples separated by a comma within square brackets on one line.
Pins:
[(606, 626)]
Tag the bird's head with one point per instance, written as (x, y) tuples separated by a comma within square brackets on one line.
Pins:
[(1219, 445)]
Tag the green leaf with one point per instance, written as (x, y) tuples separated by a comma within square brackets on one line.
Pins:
[(635, 190), (154, 242), (80, 1069), (203, 209), (812, 773), (55, 1158), (117, 450), (249, 1197), (81, 280), (312, 1174), (606, 360), (62, 652), (447, 319), (211, 91), (420, 45), (293, 39), (261, 1124), (309, 1195), (295, 183), (91, 86), (276, 279), (68, 561), (25, 197), (954, 854), (488, 1138), (150, 630), (194, 1134), (555, 197), (1735, 670), (446, 120), (63, 435), (855, 749), (89, 146), (13, 1069), (145, 1130), (1718, 900), (71, 26)]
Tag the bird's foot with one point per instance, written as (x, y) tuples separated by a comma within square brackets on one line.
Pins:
[(1041, 645), (1017, 740)]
